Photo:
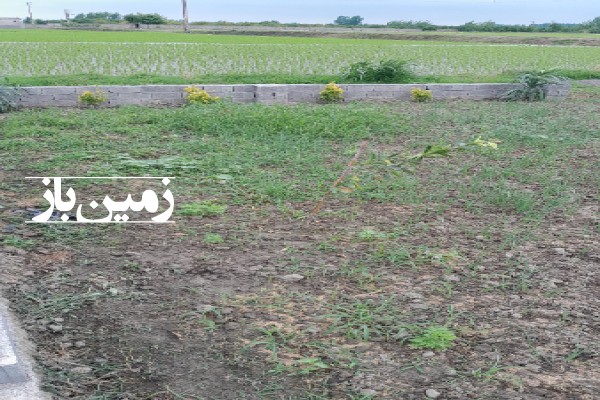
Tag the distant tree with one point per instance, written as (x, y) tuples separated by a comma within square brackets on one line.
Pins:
[(424, 25), (554, 27), (97, 17), (349, 21), (269, 23), (146, 19), (593, 26)]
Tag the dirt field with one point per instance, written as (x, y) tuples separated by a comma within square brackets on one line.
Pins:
[(498, 252)]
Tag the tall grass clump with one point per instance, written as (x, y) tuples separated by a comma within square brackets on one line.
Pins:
[(8, 95), (386, 71), (533, 85)]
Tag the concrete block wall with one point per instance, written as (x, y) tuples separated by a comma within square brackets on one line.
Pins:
[(66, 96)]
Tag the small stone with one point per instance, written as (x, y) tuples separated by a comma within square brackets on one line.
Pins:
[(232, 326), (483, 348), (292, 278), (80, 344), (226, 311), (81, 370), (59, 320), (432, 393), (533, 368), (428, 354), (28, 274), (480, 237), (205, 308), (560, 251), (368, 392), (313, 329), (55, 328), (15, 250), (451, 278)]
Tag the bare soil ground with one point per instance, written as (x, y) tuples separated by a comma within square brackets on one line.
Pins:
[(286, 309)]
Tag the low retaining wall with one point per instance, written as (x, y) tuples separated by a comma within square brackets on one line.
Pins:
[(66, 96)]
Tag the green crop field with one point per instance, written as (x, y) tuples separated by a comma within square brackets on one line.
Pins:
[(221, 58), (366, 250)]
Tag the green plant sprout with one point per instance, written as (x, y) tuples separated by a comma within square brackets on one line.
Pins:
[(434, 338)]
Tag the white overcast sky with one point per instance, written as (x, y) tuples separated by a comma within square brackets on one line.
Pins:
[(325, 11)]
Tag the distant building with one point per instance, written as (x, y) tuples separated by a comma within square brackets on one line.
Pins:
[(11, 22)]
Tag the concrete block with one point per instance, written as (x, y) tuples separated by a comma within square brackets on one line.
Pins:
[(242, 88), (358, 88), (304, 93), (167, 96), (379, 95), (162, 88), (242, 97), (37, 101), (392, 88), (130, 98), (63, 103), (30, 91), (122, 89), (354, 96), (66, 96), (59, 89), (271, 94), (303, 98), (218, 88)]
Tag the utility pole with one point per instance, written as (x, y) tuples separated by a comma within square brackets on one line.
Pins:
[(186, 24), (30, 14), (68, 15)]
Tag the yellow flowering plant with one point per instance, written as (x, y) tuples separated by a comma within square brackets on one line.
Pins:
[(421, 95), (94, 98), (332, 93), (197, 95)]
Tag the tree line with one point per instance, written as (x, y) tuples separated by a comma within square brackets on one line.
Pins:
[(107, 18), (592, 26)]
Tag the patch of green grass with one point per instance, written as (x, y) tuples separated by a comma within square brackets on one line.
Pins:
[(17, 241), (367, 319), (202, 209), (213, 238), (434, 338), (254, 154), (368, 234)]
